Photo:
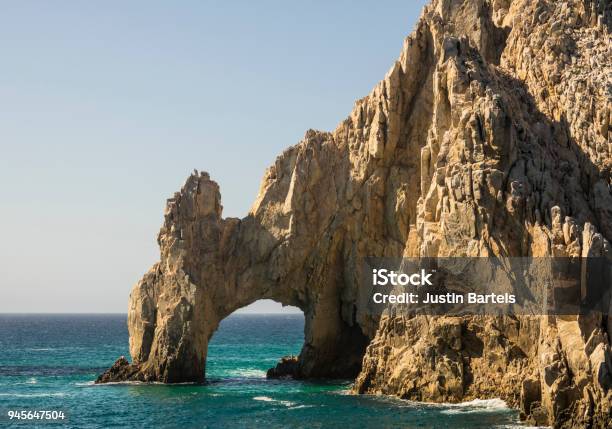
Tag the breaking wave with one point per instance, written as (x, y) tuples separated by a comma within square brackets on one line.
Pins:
[(268, 399), (247, 372), (476, 406)]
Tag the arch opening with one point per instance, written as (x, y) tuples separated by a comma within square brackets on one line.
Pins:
[(250, 341)]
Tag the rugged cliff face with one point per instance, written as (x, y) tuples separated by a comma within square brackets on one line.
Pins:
[(489, 136)]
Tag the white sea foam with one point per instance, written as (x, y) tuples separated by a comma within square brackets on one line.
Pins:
[(247, 372), (134, 383), (264, 398), (126, 383), (31, 380), (494, 403), (301, 406), (120, 383), (31, 395), (475, 406), (42, 349), (524, 427), (268, 399)]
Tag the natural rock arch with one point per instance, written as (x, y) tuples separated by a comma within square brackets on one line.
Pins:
[(489, 136), (209, 268)]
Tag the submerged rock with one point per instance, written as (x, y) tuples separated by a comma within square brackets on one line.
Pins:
[(490, 136)]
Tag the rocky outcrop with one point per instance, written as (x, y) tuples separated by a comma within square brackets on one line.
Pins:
[(120, 371), (490, 136), (287, 367)]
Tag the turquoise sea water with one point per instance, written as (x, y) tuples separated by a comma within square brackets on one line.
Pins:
[(48, 362)]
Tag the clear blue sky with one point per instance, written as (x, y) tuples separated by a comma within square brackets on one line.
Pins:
[(107, 106)]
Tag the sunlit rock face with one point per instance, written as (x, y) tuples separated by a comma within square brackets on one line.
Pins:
[(490, 136)]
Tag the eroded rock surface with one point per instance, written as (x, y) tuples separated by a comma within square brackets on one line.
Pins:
[(489, 136)]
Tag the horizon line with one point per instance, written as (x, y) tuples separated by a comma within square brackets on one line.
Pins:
[(14, 313)]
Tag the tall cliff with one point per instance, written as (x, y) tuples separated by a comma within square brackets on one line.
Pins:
[(490, 136)]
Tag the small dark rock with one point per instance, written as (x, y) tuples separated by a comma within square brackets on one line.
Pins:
[(287, 367), (122, 370)]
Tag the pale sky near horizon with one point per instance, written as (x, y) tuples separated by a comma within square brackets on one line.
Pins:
[(106, 107)]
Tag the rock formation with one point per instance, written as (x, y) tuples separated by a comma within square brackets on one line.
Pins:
[(287, 367), (489, 136)]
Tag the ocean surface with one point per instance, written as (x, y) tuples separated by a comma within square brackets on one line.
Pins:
[(49, 362)]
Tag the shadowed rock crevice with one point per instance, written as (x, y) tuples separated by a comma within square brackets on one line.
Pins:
[(490, 136)]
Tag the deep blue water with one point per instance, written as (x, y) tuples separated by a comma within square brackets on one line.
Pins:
[(49, 362)]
